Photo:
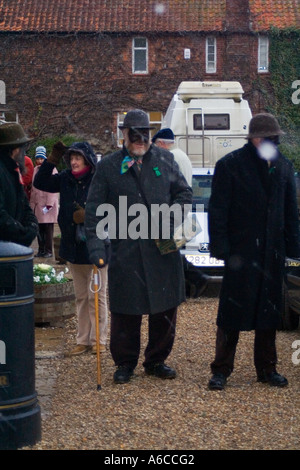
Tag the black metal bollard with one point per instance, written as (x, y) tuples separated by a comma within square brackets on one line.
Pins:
[(20, 414)]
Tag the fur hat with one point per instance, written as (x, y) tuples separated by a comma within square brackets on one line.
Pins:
[(40, 152), (264, 125), (165, 134)]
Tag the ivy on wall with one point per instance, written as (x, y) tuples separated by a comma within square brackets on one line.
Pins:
[(284, 56)]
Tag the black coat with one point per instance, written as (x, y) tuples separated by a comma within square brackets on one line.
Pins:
[(72, 190), (141, 280), (18, 223), (253, 226)]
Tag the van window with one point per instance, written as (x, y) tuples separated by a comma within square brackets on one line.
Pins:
[(212, 122)]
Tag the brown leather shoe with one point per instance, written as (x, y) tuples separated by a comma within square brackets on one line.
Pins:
[(102, 348), (79, 349)]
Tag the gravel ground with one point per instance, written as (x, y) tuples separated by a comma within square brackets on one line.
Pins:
[(181, 414)]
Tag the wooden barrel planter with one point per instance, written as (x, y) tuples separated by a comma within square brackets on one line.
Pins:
[(54, 302)]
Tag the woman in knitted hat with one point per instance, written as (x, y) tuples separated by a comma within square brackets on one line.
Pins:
[(45, 207)]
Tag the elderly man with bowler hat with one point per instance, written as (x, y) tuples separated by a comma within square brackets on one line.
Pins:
[(18, 223), (142, 281), (253, 226)]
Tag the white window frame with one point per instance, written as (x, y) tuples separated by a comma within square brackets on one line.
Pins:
[(139, 48), (211, 54), (263, 54)]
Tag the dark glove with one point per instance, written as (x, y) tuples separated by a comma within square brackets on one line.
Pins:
[(101, 256), (58, 150), (78, 215)]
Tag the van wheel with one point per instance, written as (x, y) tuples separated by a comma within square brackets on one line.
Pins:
[(289, 319)]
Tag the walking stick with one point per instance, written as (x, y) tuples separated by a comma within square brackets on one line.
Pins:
[(96, 288)]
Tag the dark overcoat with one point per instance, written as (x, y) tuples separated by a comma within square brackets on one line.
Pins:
[(253, 226), (72, 190), (141, 279), (18, 223)]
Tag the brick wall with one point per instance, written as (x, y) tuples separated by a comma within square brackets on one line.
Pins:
[(77, 83)]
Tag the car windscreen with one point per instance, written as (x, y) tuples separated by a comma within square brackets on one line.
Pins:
[(201, 185)]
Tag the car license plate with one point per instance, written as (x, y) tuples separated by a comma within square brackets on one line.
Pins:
[(204, 260)]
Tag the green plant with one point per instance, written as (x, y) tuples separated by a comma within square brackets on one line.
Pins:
[(284, 70), (46, 274)]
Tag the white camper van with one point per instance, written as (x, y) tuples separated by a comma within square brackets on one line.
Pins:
[(209, 120)]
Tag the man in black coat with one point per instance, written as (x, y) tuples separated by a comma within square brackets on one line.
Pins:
[(141, 279), (18, 223), (253, 226)]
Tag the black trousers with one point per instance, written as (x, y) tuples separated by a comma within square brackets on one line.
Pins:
[(125, 337), (265, 357), (45, 238)]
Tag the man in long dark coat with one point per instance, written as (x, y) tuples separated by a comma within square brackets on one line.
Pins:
[(141, 279), (18, 223), (253, 226)]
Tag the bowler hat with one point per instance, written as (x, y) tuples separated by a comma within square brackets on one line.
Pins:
[(12, 135), (136, 119), (165, 134), (264, 125)]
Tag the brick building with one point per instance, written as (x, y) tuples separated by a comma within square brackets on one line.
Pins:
[(75, 66)]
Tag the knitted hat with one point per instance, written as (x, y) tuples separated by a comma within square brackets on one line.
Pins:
[(40, 152), (165, 134)]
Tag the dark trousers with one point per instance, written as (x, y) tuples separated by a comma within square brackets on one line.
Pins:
[(125, 337), (45, 238), (265, 357)]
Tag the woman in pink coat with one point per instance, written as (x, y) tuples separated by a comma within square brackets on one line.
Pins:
[(45, 208)]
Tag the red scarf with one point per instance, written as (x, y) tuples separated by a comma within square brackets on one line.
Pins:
[(79, 174)]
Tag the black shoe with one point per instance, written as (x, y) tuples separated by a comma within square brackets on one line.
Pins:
[(40, 254), (272, 378), (47, 255), (161, 370), (123, 374), (217, 382)]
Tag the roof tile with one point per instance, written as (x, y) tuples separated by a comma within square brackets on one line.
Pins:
[(139, 15)]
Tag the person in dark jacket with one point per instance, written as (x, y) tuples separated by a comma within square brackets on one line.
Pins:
[(142, 281), (18, 223), (73, 184), (253, 226)]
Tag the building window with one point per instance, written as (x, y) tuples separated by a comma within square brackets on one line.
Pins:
[(139, 55), (211, 55), (155, 118), (263, 54)]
